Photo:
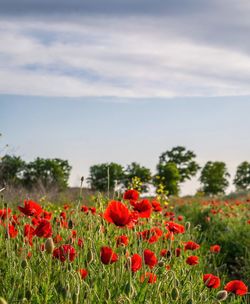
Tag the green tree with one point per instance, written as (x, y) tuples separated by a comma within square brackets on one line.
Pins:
[(242, 176), (104, 176), (184, 160), (168, 175), (49, 172), (136, 170), (11, 170), (214, 178)]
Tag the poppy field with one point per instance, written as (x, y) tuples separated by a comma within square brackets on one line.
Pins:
[(125, 250)]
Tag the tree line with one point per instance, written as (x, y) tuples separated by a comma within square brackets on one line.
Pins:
[(173, 168)]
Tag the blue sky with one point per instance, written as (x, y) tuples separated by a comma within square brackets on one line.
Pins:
[(94, 81), (88, 131)]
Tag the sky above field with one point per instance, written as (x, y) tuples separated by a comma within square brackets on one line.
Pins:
[(124, 80)]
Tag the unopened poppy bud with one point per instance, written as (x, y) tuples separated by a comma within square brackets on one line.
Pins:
[(161, 264), (222, 295), (70, 224), (82, 179), (175, 294), (24, 263), (3, 301), (49, 245)]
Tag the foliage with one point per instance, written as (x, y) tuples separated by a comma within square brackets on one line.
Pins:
[(184, 160), (105, 176), (242, 176), (11, 170), (168, 175), (49, 172), (214, 178), (136, 170)]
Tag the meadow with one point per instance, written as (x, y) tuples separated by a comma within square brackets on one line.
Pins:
[(125, 249)]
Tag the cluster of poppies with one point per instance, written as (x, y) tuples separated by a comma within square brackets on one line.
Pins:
[(127, 214)]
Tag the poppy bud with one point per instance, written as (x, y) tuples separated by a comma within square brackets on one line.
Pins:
[(222, 295), (23, 264), (49, 245), (175, 294), (161, 264), (70, 224), (3, 301), (82, 179)]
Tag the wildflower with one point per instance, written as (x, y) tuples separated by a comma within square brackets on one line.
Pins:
[(65, 252), (156, 206), (131, 195), (192, 260), (211, 281), (174, 227), (191, 246), (144, 208), (136, 262), (108, 256), (44, 229), (237, 287), (122, 240), (150, 258), (31, 208), (150, 277), (117, 213), (83, 273), (215, 248)]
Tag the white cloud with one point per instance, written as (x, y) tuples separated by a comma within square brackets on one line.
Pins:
[(127, 57)]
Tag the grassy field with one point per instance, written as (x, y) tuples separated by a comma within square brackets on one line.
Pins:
[(125, 250)]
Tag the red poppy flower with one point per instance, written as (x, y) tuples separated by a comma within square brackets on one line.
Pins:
[(174, 227), (12, 231), (150, 277), (84, 209), (150, 258), (122, 240), (47, 215), (177, 252), (144, 208), (211, 281), (191, 245), (215, 248), (57, 239), (237, 287), (44, 229), (180, 218), (108, 256), (131, 195), (192, 260), (83, 273), (80, 243), (65, 252), (63, 215), (165, 253), (29, 233), (156, 206), (117, 213), (31, 208), (136, 262), (4, 213), (151, 235)]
